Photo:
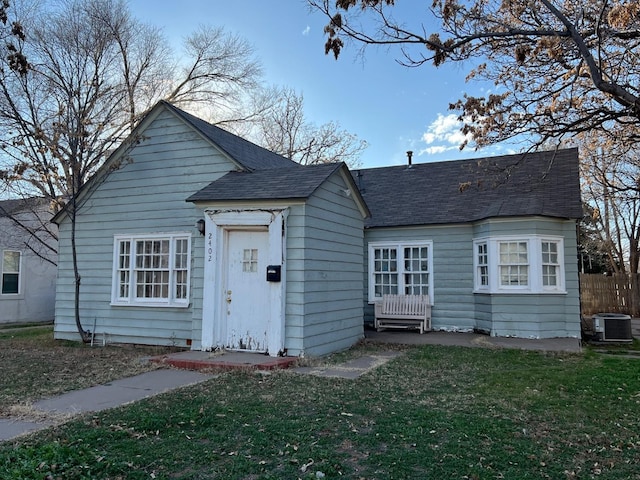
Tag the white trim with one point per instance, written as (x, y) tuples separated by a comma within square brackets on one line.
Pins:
[(400, 245), (131, 300), (534, 253)]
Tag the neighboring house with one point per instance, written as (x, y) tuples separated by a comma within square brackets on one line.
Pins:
[(28, 262), (192, 236)]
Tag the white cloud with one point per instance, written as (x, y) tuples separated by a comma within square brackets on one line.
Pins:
[(434, 150), (443, 134), (306, 30)]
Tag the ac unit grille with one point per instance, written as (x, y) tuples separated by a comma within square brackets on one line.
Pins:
[(617, 329)]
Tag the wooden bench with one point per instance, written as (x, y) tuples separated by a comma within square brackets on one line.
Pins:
[(403, 311)]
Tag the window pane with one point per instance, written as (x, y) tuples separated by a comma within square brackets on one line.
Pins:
[(123, 291), (10, 283), (484, 275), (549, 276), (11, 262)]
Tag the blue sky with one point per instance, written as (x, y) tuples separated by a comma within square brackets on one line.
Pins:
[(393, 108)]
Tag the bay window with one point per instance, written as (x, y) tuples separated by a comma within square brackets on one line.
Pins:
[(151, 270), (531, 264)]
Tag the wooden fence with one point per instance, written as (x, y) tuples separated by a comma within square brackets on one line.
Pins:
[(616, 294)]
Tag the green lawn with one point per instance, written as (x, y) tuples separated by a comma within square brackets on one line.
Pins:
[(433, 413)]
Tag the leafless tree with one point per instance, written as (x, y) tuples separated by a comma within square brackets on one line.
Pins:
[(610, 174), (93, 72), (283, 128)]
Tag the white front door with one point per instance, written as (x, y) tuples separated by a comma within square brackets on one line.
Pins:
[(246, 295)]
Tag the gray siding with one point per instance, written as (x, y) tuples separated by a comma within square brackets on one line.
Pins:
[(294, 303), (455, 305), (332, 270), (36, 298), (146, 195)]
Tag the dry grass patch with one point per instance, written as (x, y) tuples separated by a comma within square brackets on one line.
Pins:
[(35, 366)]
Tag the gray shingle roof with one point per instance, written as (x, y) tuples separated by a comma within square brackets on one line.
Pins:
[(544, 183), (10, 207), (267, 184), (247, 154)]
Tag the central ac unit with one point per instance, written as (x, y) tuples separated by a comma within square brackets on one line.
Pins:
[(613, 327)]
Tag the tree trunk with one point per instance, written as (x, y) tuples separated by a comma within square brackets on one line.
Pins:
[(84, 335)]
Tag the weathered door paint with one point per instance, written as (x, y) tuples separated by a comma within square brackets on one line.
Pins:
[(246, 296), (223, 323)]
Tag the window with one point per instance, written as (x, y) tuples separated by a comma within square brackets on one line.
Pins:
[(250, 260), (513, 264), (532, 264), (399, 268), (10, 272), (550, 264), (386, 271), (151, 270), (482, 266)]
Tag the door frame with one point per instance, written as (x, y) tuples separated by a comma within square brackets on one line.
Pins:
[(217, 223)]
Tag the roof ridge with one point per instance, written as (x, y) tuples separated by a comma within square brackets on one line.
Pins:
[(494, 159)]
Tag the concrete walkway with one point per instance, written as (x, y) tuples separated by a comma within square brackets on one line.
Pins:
[(351, 369), (101, 397)]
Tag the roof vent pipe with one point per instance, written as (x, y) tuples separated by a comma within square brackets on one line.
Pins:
[(409, 155)]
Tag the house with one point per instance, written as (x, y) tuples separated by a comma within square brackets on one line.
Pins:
[(192, 236), (28, 245)]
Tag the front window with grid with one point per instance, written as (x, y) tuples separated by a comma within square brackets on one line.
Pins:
[(399, 268), (152, 270), (514, 264)]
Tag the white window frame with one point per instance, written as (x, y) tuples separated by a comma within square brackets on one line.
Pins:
[(3, 272), (535, 284), (518, 268), (481, 265), (130, 299), (399, 246)]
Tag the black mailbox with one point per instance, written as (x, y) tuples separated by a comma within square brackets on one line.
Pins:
[(273, 273)]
